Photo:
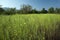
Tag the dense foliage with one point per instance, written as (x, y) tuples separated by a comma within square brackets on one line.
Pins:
[(27, 9)]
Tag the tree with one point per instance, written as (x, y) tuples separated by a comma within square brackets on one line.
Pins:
[(10, 11), (57, 10), (13, 10), (26, 8), (1, 10), (51, 10), (34, 11), (44, 11)]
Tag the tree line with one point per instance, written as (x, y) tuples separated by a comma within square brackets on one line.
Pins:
[(27, 9)]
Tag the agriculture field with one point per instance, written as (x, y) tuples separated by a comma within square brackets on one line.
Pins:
[(30, 27)]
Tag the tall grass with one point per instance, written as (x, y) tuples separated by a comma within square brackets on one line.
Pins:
[(30, 27)]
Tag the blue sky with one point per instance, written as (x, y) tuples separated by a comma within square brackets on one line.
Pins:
[(38, 4)]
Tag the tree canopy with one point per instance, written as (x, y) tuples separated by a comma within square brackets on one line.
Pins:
[(27, 9)]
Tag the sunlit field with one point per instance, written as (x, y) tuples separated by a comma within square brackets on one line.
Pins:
[(30, 27)]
